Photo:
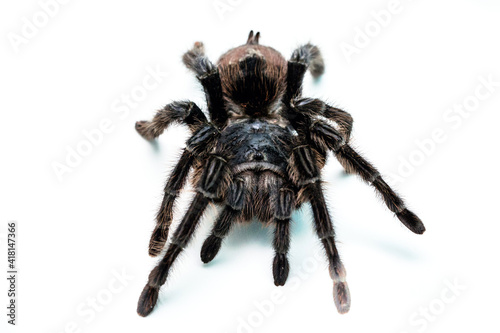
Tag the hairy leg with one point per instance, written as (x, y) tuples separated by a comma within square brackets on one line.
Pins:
[(208, 75), (232, 211), (324, 230), (197, 147), (305, 57), (164, 216), (313, 108), (222, 226), (305, 173), (281, 245), (183, 112), (181, 237), (210, 185), (327, 137)]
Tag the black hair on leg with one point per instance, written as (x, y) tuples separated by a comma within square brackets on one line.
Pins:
[(221, 228), (285, 205), (327, 137), (181, 237), (210, 185), (182, 112), (196, 148), (310, 56), (324, 230), (232, 211), (302, 163), (208, 75), (281, 245), (164, 217), (305, 57), (315, 107)]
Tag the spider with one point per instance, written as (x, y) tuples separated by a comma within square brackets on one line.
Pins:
[(258, 155)]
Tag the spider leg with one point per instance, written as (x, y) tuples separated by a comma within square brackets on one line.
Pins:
[(164, 216), (182, 235), (210, 186), (317, 108), (327, 137), (305, 57), (306, 174), (324, 230), (281, 242), (222, 226), (235, 199), (183, 112), (196, 148), (208, 75)]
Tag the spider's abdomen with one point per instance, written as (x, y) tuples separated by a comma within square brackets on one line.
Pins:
[(253, 79)]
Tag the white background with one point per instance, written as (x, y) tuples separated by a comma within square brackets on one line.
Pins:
[(75, 234)]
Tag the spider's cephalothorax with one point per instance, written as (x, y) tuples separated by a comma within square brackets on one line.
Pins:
[(259, 155)]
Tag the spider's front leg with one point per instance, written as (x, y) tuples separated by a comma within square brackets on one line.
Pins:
[(281, 243), (236, 197), (208, 75), (305, 173), (212, 183), (204, 136)]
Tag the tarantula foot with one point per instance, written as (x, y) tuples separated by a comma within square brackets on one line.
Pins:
[(196, 60), (310, 56), (147, 300), (341, 294), (411, 221), (281, 268), (210, 248), (342, 297), (142, 128)]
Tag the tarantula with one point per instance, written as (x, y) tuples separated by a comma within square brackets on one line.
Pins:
[(259, 155)]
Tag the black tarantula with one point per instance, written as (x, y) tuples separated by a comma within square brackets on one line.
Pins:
[(259, 155)]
